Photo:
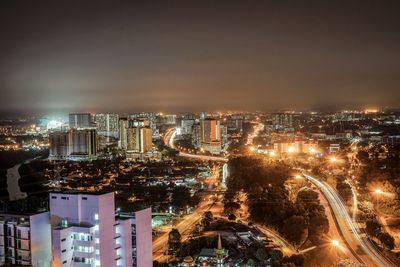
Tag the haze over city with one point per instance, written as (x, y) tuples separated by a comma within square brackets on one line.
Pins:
[(193, 56)]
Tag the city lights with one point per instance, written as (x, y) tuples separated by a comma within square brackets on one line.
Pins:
[(335, 243), (333, 159)]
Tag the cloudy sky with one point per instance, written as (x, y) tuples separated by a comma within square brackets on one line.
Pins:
[(190, 56)]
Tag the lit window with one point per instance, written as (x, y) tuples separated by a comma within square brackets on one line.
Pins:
[(96, 216)]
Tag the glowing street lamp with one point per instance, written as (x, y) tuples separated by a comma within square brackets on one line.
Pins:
[(291, 149), (335, 243), (272, 153), (298, 176), (252, 149), (333, 159), (378, 191)]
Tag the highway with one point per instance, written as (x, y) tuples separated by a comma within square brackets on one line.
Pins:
[(169, 141), (208, 203), (355, 241), (192, 219)]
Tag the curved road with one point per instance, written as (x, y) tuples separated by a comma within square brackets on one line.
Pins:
[(371, 256), (169, 141)]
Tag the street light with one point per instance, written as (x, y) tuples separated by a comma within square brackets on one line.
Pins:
[(335, 243), (333, 159), (378, 191), (298, 176)]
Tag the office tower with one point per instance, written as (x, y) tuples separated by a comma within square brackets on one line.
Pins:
[(186, 126), (224, 134), (80, 120), (235, 123), (139, 139), (107, 125), (148, 117), (210, 133), (83, 143), (123, 126), (196, 136), (59, 145), (25, 239), (282, 121), (88, 232)]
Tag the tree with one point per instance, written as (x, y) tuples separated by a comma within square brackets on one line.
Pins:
[(174, 239), (180, 196), (207, 218), (296, 260), (232, 217), (373, 228), (307, 196), (261, 254), (344, 190), (231, 207), (386, 240), (363, 156), (295, 229)]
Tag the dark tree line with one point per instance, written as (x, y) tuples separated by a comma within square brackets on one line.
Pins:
[(264, 182)]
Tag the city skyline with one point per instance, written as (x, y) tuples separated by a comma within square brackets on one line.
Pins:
[(175, 56)]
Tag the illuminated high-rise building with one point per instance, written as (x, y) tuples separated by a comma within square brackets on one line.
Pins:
[(25, 239), (123, 126), (73, 144), (83, 143), (59, 145), (107, 124), (210, 132), (282, 121), (139, 139), (88, 232), (186, 126), (148, 118), (80, 120), (196, 135)]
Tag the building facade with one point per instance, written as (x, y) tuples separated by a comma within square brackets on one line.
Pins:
[(74, 144), (80, 120), (88, 232), (25, 239), (107, 124)]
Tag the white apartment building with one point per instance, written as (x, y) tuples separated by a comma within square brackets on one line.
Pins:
[(88, 232), (25, 239)]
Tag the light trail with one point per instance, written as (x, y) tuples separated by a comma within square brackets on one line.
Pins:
[(372, 256)]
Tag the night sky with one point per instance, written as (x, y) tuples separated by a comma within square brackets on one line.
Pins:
[(191, 56)]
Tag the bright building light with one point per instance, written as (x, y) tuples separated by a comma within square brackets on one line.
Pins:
[(272, 153), (298, 176), (252, 149), (291, 149), (333, 159)]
